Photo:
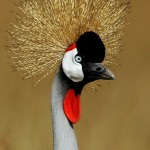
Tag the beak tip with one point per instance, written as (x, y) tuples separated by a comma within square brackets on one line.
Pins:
[(113, 77), (108, 75)]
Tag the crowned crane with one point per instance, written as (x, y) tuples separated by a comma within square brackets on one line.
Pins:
[(81, 64), (41, 38)]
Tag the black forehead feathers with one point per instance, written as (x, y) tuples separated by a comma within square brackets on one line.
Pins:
[(91, 46)]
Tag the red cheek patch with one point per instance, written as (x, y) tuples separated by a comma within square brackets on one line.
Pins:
[(70, 48), (72, 108)]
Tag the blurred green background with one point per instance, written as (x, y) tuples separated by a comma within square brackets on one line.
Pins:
[(117, 117)]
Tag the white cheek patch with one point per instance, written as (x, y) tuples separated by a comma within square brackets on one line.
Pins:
[(71, 68)]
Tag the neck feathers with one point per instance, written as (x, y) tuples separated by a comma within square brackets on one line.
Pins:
[(63, 132)]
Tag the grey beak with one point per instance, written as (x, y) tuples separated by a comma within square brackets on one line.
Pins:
[(96, 71), (107, 74)]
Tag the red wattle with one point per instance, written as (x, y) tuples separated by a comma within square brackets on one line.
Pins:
[(72, 107)]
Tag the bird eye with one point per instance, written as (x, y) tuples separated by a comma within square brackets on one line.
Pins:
[(78, 59)]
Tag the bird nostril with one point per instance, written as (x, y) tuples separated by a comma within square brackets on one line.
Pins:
[(99, 69)]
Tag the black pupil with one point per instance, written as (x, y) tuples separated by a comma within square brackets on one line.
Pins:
[(78, 58)]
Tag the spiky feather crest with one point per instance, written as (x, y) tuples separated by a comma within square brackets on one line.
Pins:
[(46, 28)]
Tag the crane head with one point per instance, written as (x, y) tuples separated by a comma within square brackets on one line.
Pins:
[(82, 61)]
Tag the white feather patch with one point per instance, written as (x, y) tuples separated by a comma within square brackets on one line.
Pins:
[(71, 68)]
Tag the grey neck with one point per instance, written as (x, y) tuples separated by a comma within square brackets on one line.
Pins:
[(63, 132)]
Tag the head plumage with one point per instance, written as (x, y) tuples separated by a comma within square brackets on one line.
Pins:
[(91, 46), (46, 28)]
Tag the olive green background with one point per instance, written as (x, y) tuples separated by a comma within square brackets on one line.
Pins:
[(117, 117)]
